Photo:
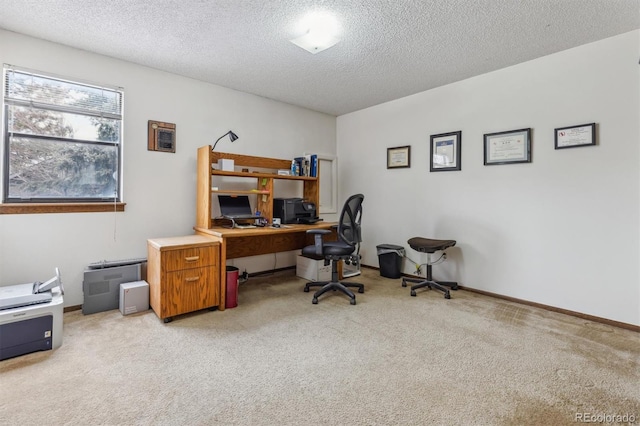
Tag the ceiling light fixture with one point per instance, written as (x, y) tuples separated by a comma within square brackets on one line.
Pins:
[(321, 33)]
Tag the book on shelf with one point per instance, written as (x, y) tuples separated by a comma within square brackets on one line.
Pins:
[(299, 161), (314, 165), (306, 166), (312, 160)]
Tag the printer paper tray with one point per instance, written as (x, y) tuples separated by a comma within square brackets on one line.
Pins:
[(23, 337)]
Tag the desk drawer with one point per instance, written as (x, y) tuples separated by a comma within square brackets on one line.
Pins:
[(192, 257), (190, 290)]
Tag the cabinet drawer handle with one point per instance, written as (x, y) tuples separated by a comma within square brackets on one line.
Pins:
[(192, 258), (191, 279)]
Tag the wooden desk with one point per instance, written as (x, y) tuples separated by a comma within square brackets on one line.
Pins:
[(236, 243)]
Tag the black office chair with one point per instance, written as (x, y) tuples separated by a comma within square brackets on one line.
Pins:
[(334, 251), (430, 246)]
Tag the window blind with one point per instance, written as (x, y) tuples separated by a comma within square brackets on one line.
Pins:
[(27, 88)]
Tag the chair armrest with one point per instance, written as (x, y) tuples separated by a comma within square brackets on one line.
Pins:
[(318, 233)]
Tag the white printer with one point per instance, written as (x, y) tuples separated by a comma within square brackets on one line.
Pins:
[(31, 317)]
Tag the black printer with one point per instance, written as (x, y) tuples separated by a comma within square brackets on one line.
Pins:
[(295, 210)]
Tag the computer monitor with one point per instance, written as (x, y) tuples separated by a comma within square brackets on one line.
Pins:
[(235, 206)]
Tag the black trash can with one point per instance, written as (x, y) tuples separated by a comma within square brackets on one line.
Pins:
[(390, 259)]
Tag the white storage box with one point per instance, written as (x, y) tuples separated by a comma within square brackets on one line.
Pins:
[(312, 270), (226, 164), (134, 297)]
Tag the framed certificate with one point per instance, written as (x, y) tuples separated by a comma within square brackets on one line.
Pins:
[(398, 157), (575, 136), (513, 146), (445, 152)]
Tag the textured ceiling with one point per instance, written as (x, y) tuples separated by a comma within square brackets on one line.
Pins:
[(388, 48)]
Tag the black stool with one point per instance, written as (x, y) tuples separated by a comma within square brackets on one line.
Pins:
[(429, 246)]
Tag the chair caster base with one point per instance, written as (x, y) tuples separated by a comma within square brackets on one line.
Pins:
[(404, 283), (306, 289), (335, 286), (447, 295)]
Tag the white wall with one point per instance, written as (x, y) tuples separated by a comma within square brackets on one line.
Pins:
[(159, 188), (563, 230)]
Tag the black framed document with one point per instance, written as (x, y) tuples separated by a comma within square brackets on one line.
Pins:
[(398, 157), (513, 146), (445, 151), (575, 136)]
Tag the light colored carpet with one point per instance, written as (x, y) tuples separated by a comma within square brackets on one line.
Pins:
[(277, 359)]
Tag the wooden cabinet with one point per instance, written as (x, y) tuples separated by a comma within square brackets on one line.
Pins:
[(261, 169), (183, 274)]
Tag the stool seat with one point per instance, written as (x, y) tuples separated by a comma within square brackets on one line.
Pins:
[(428, 245)]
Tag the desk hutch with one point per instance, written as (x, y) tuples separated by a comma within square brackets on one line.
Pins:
[(261, 169)]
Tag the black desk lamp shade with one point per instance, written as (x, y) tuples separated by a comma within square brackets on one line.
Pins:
[(232, 136)]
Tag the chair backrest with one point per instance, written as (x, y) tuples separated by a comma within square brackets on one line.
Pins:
[(349, 224)]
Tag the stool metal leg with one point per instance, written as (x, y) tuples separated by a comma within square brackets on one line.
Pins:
[(430, 283)]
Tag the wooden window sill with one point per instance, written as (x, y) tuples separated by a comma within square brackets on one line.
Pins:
[(33, 208)]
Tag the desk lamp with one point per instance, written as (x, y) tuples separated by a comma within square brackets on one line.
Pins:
[(232, 136)]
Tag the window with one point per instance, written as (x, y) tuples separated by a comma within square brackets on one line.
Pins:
[(62, 140), (328, 184)]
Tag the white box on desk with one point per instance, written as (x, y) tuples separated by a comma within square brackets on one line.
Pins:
[(312, 269), (134, 297), (226, 164)]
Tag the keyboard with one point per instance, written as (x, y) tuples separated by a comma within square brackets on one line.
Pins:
[(243, 225), (113, 263), (309, 220)]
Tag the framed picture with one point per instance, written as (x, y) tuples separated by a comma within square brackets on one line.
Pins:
[(445, 152), (398, 157), (575, 136), (510, 147), (161, 136)]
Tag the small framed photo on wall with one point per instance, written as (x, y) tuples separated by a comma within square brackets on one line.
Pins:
[(445, 152)]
